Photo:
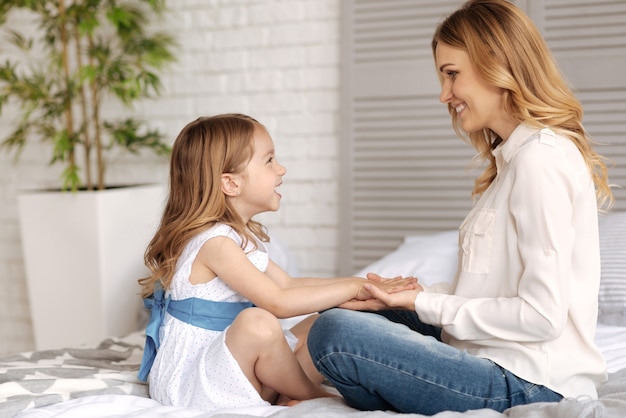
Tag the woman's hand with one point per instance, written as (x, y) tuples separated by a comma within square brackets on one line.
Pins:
[(382, 294), (393, 285)]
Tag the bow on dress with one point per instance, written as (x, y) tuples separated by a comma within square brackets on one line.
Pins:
[(207, 314)]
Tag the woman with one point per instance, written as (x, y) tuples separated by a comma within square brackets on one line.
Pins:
[(518, 323)]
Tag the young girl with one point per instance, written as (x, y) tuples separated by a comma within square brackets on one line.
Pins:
[(219, 340), (517, 325)]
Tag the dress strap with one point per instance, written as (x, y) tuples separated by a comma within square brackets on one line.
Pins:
[(207, 314)]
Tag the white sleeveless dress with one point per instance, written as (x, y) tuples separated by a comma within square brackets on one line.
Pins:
[(193, 367)]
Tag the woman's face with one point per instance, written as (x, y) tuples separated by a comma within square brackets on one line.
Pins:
[(477, 104)]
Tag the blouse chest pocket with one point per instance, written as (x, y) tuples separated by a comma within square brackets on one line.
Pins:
[(477, 241)]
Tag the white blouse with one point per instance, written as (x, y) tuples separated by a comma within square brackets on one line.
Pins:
[(526, 291)]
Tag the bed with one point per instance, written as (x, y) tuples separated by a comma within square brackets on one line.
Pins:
[(100, 380)]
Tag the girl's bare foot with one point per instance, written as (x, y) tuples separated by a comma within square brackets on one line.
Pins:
[(286, 401)]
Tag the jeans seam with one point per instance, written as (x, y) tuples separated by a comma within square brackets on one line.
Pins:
[(438, 385)]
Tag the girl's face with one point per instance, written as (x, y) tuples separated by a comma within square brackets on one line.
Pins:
[(477, 104), (260, 179)]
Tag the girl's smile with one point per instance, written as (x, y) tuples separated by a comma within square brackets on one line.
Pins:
[(260, 179)]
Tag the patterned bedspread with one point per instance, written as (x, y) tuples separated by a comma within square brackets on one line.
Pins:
[(35, 379)]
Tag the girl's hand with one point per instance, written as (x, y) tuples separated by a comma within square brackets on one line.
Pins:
[(381, 299)]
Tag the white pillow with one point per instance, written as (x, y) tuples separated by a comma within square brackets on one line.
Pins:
[(612, 296), (280, 254), (431, 258)]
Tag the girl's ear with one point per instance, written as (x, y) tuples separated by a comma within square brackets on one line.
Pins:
[(230, 185)]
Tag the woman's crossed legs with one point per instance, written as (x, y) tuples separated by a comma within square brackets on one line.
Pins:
[(392, 361)]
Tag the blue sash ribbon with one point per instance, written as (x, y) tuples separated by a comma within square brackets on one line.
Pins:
[(201, 313)]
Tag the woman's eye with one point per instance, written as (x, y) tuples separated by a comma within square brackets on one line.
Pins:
[(452, 74)]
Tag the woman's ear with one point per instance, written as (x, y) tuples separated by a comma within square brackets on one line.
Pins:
[(230, 185)]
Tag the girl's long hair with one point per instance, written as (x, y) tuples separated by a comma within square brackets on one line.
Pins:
[(507, 50), (204, 150)]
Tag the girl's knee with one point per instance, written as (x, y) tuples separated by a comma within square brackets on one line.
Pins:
[(258, 324)]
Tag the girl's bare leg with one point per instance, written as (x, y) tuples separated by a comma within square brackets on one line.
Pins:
[(256, 341), (301, 331)]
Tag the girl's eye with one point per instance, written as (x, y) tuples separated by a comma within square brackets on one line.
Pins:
[(271, 159), (452, 74)]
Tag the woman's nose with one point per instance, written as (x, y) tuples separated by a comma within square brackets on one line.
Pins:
[(446, 93)]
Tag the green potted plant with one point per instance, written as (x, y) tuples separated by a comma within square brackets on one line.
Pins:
[(79, 56), (88, 51)]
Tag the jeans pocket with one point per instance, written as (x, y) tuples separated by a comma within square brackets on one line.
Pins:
[(477, 241)]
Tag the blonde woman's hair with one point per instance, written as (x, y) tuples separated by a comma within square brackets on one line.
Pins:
[(507, 50), (204, 150)]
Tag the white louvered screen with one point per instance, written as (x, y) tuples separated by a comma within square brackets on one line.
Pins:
[(404, 171), (404, 167), (395, 30), (588, 40), (605, 119)]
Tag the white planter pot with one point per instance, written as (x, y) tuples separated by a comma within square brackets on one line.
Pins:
[(83, 254)]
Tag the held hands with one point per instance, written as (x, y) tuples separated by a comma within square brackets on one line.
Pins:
[(393, 285), (378, 293)]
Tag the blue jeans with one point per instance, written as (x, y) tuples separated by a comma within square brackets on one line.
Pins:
[(392, 361)]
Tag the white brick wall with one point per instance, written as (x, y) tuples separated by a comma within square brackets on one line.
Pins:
[(277, 60)]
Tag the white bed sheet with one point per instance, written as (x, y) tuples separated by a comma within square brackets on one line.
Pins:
[(101, 406), (611, 340)]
